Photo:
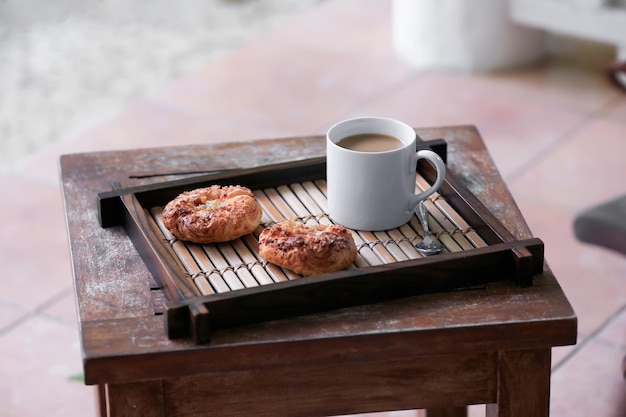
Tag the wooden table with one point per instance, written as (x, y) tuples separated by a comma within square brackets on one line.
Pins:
[(438, 351)]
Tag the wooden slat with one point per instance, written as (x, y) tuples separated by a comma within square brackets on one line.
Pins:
[(215, 279), (405, 244), (447, 226), (204, 285), (472, 236), (307, 200), (270, 212), (391, 246), (254, 265), (239, 267), (286, 212), (223, 267), (286, 195)]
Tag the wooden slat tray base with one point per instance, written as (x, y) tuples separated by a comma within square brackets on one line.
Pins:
[(235, 265), (227, 284)]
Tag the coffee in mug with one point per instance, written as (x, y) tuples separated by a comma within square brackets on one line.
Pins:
[(370, 173), (370, 142)]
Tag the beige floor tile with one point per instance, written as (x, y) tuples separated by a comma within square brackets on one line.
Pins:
[(41, 360), (35, 259), (10, 314), (585, 170), (63, 307), (343, 27), (560, 84), (616, 110), (615, 331), (271, 84), (515, 131), (590, 384)]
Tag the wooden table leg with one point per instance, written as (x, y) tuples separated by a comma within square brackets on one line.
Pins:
[(447, 412), (101, 400), (523, 384), (139, 399)]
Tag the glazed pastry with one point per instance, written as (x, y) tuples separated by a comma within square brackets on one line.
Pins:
[(212, 214), (308, 249)]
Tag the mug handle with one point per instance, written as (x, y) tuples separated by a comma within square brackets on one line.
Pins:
[(441, 175)]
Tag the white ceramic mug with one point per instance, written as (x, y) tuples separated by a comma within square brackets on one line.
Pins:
[(375, 190)]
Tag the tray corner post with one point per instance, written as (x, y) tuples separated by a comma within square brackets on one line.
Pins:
[(184, 319), (110, 207), (200, 323), (108, 210), (177, 320), (528, 261)]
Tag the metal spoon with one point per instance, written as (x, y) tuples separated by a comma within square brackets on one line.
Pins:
[(426, 246)]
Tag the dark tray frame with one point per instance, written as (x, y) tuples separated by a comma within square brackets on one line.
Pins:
[(191, 315)]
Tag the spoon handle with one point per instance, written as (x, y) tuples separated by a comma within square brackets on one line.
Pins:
[(423, 215)]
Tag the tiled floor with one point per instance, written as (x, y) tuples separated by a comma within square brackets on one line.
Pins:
[(557, 132)]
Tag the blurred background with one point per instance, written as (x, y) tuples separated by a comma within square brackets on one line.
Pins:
[(85, 75), (67, 65)]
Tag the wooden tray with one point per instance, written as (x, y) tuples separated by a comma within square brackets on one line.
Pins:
[(227, 284)]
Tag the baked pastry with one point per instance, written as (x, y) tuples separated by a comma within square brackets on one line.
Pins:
[(212, 214), (307, 249)]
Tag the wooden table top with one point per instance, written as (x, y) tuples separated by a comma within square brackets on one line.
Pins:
[(123, 340)]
